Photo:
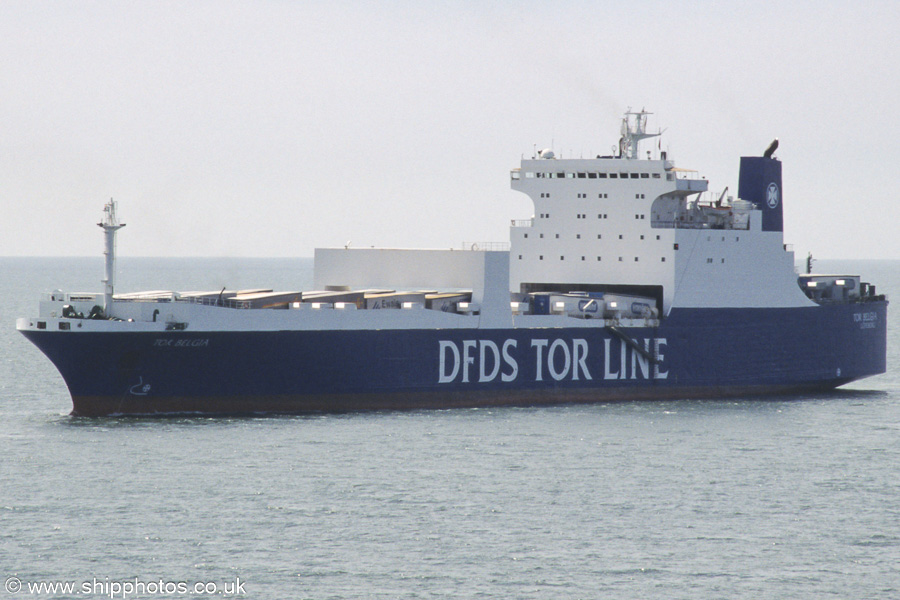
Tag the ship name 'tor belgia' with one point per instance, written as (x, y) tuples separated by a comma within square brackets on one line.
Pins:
[(553, 360)]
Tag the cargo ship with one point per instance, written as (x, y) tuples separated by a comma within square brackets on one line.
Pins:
[(631, 280)]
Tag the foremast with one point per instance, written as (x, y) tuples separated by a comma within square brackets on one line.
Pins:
[(110, 225)]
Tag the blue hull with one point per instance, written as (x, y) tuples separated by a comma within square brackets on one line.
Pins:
[(693, 353)]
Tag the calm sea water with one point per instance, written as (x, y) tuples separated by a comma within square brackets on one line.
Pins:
[(779, 498)]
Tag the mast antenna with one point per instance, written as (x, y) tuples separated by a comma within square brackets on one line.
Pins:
[(634, 129), (110, 225)]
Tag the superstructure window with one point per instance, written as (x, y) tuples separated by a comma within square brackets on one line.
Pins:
[(656, 176), (645, 175), (582, 175), (592, 176), (635, 175), (613, 175), (601, 175)]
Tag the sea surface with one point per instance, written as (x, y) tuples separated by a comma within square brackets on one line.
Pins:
[(786, 497)]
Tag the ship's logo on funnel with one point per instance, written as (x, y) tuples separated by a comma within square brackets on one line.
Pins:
[(772, 195)]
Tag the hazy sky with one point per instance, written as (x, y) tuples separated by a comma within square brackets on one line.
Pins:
[(269, 128)]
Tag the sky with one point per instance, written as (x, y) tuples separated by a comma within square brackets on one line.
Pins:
[(270, 128)]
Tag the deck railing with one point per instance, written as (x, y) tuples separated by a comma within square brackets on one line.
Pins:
[(486, 246)]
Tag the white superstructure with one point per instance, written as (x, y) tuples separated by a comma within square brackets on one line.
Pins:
[(621, 222)]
